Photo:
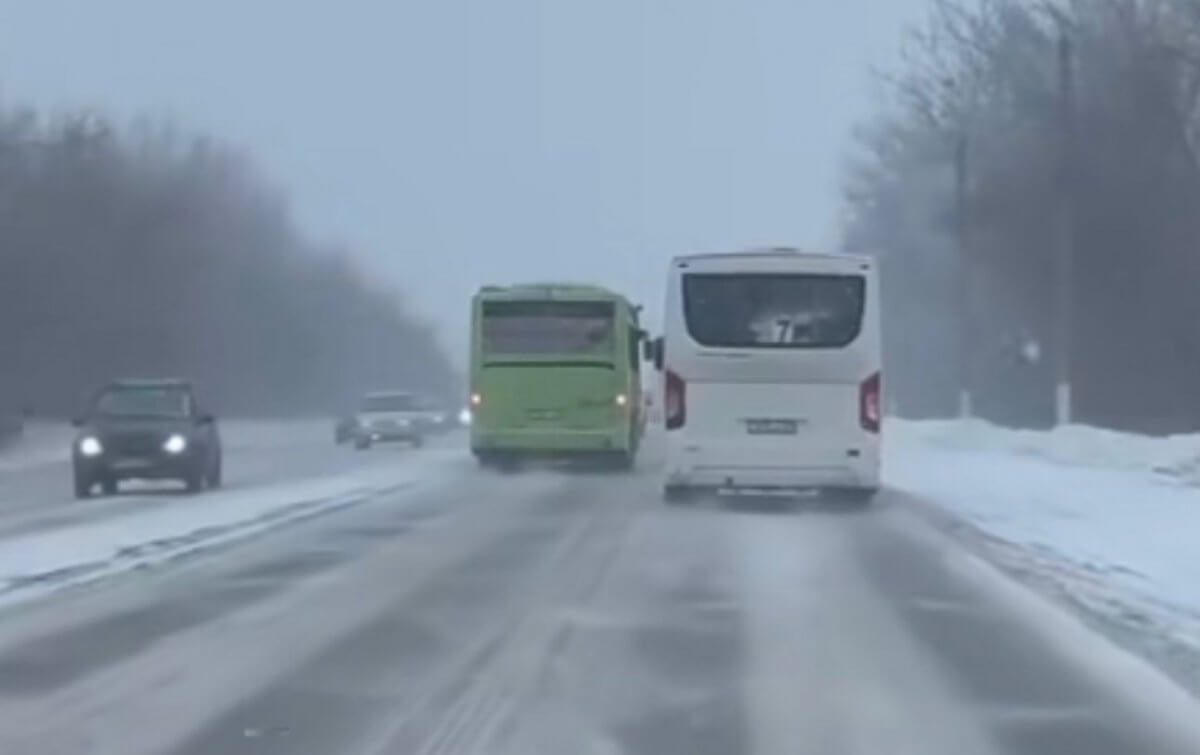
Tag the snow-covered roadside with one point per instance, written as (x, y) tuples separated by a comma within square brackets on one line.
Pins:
[(1172, 458), (1110, 520), (39, 443), (35, 563)]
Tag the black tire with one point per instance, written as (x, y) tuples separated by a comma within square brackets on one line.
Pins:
[(854, 497), (215, 479), (194, 482), (362, 444), (678, 494), (508, 463), (625, 461), (110, 485), (83, 485), (418, 441)]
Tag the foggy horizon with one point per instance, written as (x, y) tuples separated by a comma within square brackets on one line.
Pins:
[(584, 144)]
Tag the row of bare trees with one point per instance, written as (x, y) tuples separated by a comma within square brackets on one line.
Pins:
[(142, 252), (1019, 135)]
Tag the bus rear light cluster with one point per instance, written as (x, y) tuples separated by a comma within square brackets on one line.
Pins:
[(674, 401), (870, 414)]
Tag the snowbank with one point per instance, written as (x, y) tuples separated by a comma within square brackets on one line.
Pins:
[(1174, 457), (1112, 519), (50, 559), (39, 443)]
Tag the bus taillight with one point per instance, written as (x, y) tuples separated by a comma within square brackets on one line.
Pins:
[(869, 402), (675, 401)]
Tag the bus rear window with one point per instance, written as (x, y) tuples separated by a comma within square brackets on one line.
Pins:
[(769, 310), (548, 327)]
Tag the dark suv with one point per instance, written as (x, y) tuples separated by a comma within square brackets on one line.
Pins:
[(145, 430)]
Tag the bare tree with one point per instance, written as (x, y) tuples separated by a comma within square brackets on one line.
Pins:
[(142, 252), (987, 70)]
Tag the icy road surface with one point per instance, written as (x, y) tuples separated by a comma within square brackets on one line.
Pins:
[(574, 613), (35, 474)]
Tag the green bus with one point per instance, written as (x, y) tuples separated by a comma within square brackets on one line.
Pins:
[(555, 373)]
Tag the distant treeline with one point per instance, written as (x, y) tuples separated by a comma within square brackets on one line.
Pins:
[(141, 252), (1106, 147)]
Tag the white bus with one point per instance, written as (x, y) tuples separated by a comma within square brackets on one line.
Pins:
[(771, 372)]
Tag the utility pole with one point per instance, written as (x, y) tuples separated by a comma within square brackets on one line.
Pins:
[(966, 333), (1067, 186)]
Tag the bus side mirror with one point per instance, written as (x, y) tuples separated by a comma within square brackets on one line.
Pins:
[(647, 350)]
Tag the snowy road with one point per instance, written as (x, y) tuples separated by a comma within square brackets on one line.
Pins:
[(35, 481), (574, 613)]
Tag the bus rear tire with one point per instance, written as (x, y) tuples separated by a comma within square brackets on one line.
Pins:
[(853, 497), (508, 463), (623, 461), (502, 462), (678, 494)]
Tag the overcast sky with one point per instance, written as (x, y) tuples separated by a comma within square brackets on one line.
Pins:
[(461, 142)]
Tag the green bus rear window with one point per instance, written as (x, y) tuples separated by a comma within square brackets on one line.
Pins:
[(548, 327)]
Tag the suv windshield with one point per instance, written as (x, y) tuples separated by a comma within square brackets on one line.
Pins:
[(767, 310), (145, 402), (390, 403), (548, 327)]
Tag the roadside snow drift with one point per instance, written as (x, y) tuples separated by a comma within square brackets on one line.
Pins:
[(1110, 518), (51, 559), (39, 443), (1171, 458)]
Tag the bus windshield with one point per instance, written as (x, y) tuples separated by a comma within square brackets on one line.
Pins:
[(578, 328)]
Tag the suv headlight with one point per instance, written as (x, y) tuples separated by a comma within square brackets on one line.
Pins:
[(176, 444), (90, 446)]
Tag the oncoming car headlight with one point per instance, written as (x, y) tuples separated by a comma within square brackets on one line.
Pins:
[(176, 444), (464, 417), (90, 447)]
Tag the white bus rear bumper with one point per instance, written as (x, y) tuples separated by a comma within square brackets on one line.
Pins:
[(696, 468)]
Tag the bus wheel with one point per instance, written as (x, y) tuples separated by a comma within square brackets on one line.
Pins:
[(508, 463), (678, 494), (852, 497)]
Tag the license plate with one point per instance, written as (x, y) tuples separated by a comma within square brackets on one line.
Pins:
[(544, 414), (771, 426), (131, 464)]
